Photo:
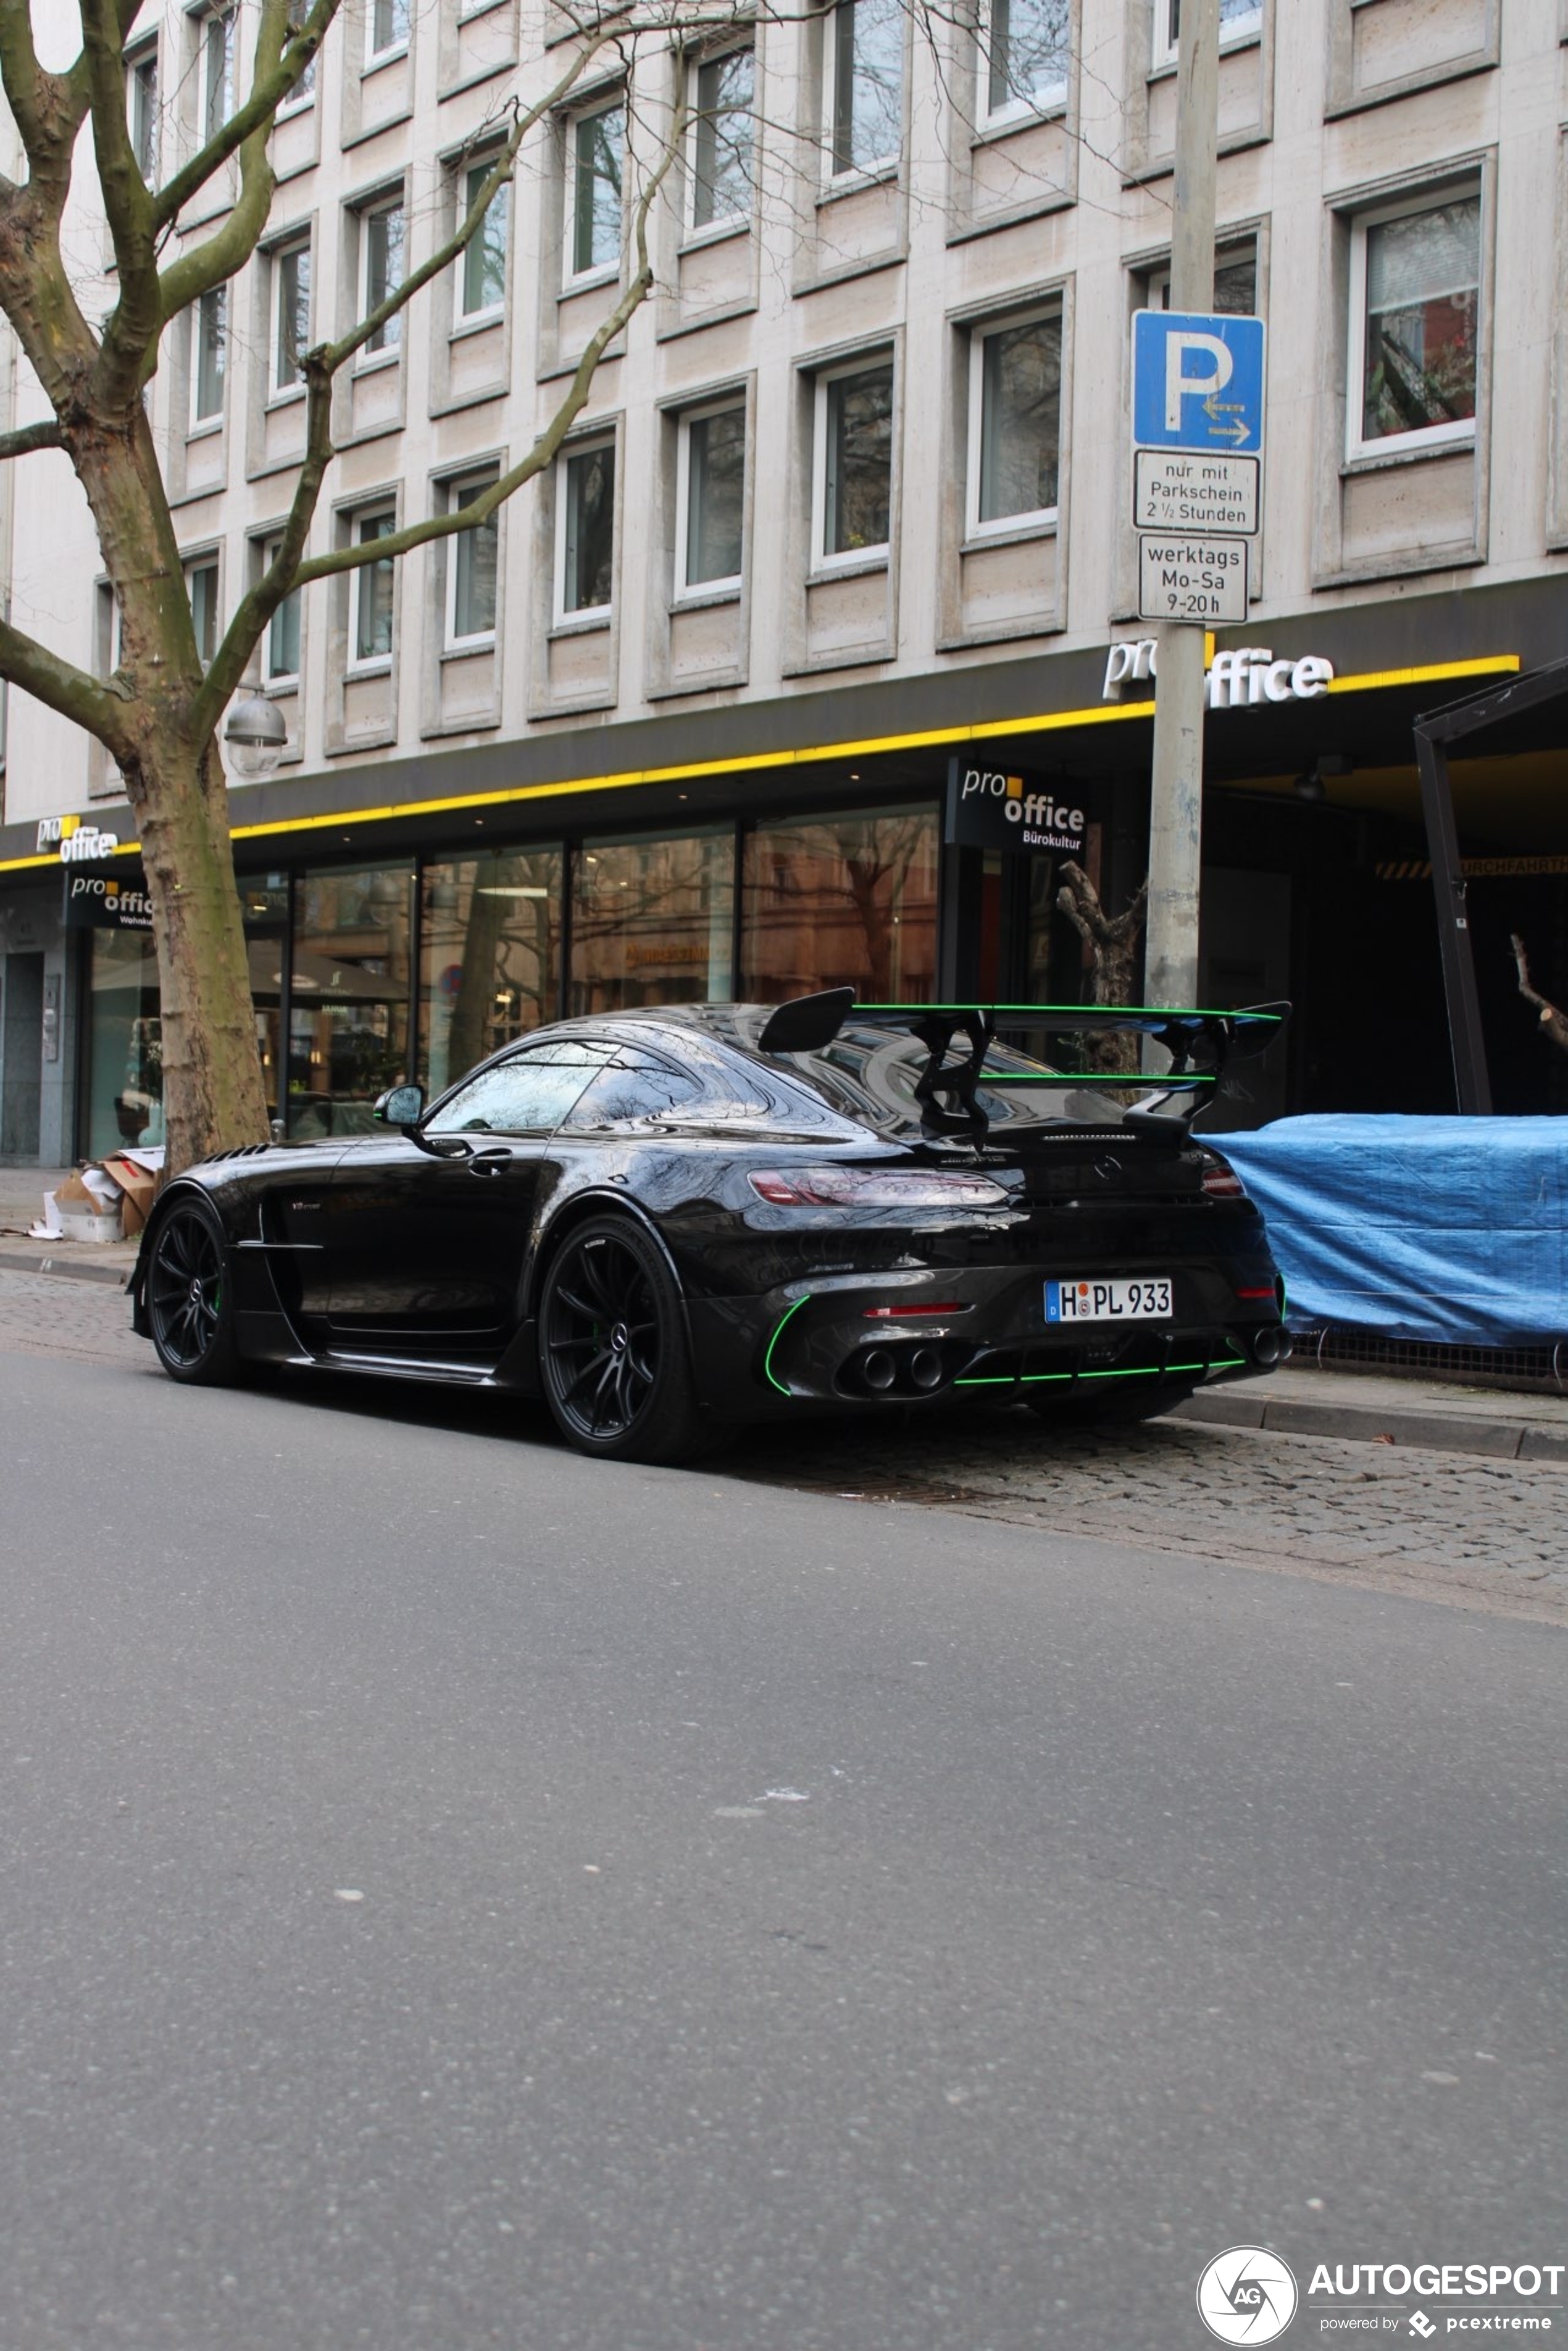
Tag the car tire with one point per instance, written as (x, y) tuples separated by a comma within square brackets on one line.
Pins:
[(1079, 1411), (614, 1359), (190, 1297)]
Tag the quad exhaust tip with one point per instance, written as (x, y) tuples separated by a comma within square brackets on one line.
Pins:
[(878, 1369), (1271, 1347), (925, 1369)]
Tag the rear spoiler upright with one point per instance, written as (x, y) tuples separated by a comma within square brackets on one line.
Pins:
[(1200, 1044)]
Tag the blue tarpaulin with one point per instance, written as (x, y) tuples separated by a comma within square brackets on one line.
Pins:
[(1453, 1230)]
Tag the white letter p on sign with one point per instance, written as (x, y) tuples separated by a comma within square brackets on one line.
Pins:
[(1178, 384)]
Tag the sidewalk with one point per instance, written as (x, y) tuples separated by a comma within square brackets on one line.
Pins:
[(1295, 1402), (22, 1191)]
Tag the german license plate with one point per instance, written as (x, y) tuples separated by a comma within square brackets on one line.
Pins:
[(1147, 1299)]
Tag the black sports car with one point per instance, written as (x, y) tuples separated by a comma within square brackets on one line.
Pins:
[(662, 1221)]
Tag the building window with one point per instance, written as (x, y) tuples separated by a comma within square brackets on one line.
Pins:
[(349, 1019), (866, 78), (852, 474), (280, 645), (722, 135), (652, 920), (304, 91), (290, 314), (471, 568), (1234, 284), (585, 530), (1414, 313), (372, 594), (217, 70), (386, 30), (211, 331), (596, 144), (710, 487), (142, 109), (489, 956), (1027, 45), (1240, 20), (482, 272), (1015, 422), (381, 268), (841, 900), (202, 587)]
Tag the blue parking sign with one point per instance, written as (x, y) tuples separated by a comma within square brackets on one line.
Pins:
[(1198, 381)]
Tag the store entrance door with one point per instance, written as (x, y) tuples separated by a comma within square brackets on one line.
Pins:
[(1245, 958), (22, 1057)]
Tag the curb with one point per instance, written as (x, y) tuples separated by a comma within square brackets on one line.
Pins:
[(1437, 1432), (69, 1268)]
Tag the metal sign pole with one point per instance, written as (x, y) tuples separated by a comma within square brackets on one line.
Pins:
[(1175, 809)]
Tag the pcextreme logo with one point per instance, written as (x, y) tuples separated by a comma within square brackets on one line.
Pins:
[(1247, 2295)]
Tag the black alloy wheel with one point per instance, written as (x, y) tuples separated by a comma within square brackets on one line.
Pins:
[(190, 1309), (612, 1347)]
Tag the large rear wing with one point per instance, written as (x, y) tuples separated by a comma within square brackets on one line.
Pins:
[(1201, 1046)]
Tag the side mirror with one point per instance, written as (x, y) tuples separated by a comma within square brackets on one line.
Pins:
[(401, 1106)]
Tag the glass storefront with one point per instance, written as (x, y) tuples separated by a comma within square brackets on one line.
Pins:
[(653, 921), (489, 956), (842, 902), (350, 996), (419, 968)]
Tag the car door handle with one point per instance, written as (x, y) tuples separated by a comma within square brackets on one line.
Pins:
[(489, 1162)]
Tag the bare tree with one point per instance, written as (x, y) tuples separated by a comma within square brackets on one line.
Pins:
[(1553, 1023), (1112, 944), (158, 714)]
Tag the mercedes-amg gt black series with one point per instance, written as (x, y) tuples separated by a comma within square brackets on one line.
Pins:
[(664, 1221)]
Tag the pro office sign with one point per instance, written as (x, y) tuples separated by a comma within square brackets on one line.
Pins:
[(993, 807), (108, 902)]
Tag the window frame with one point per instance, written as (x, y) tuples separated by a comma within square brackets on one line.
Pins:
[(464, 171), (723, 223), (303, 95), (280, 680), (598, 272), (138, 58), (582, 615), (452, 491), (278, 254), (200, 422), (883, 166), (1016, 109), (220, 21), (381, 206), (1247, 247), (204, 563), (1238, 36), (376, 664), (1462, 430), (696, 592), (398, 46), (1037, 519), (823, 379)]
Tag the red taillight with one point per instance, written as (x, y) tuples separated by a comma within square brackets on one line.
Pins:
[(1221, 1183), (902, 1313), (871, 1187), (1266, 1291)]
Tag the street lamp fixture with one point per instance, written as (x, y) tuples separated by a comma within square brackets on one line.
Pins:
[(255, 736)]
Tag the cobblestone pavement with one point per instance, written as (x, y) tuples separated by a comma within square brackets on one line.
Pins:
[(1455, 1527)]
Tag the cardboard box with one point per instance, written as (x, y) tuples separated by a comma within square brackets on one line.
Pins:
[(81, 1224), (137, 1186), (82, 1212)]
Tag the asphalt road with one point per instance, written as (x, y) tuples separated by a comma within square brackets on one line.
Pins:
[(456, 1896)]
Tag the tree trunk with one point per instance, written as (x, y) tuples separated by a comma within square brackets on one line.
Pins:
[(1112, 944), (213, 1090)]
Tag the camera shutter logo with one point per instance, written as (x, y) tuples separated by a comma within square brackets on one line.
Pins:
[(1247, 2295)]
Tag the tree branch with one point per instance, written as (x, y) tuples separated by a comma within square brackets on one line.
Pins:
[(87, 701), (1554, 1022), (275, 74), (128, 206), (24, 438)]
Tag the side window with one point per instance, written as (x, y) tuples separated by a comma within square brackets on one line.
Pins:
[(527, 1095), (647, 1090)]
